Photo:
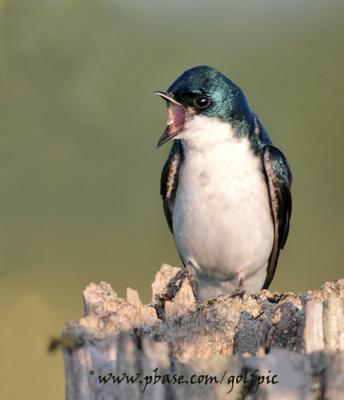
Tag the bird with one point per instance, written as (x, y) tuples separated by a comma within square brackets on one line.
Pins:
[(226, 189)]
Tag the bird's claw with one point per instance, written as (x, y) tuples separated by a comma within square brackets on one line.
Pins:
[(173, 288), (239, 292)]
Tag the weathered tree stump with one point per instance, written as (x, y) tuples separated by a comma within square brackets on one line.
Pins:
[(265, 346)]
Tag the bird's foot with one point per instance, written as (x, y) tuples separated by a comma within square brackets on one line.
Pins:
[(240, 291), (173, 288)]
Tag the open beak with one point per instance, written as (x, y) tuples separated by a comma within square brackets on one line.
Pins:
[(176, 118)]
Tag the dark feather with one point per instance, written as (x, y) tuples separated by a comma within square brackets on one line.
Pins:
[(279, 179), (169, 180)]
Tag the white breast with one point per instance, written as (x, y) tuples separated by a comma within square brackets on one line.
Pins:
[(222, 221)]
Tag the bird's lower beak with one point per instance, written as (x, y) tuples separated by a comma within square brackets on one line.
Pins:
[(176, 118)]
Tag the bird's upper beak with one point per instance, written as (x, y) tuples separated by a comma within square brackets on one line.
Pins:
[(176, 118)]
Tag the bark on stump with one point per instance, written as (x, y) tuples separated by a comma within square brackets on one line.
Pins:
[(265, 346)]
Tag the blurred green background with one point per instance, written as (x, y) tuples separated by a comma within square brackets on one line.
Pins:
[(79, 170)]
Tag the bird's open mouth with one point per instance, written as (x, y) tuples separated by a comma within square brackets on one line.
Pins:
[(175, 120)]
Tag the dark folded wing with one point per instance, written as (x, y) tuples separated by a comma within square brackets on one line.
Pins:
[(278, 176), (169, 180)]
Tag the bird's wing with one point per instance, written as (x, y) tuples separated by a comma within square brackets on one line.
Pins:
[(278, 176), (169, 180)]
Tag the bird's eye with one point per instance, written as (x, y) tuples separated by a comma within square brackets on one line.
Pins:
[(202, 102)]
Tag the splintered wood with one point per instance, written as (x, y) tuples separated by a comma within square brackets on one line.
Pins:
[(264, 346)]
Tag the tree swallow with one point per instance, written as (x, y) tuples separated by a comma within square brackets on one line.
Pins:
[(225, 187)]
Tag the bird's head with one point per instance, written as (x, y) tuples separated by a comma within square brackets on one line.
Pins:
[(202, 91)]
